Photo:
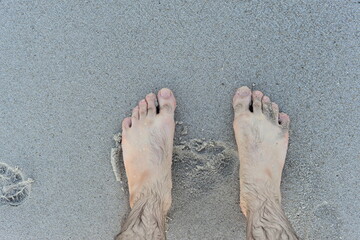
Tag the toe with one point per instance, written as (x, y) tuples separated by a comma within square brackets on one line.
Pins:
[(135, 113), (241, 100), (126, 123), (275, 109), (142, 109), (284, 120), (266, 107), (256, 101), (151, 107), (167, 101)]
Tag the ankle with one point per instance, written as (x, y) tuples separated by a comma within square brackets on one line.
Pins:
[(155, 194), (146, 219), (253, 197)]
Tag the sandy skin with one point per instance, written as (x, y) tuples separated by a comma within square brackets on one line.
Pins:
[(262, 135), (262, 139), (147, 146)]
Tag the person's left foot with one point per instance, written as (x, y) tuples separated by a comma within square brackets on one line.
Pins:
[(147, 143)]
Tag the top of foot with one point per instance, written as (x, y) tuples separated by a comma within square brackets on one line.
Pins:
[(147, 143), (262, 138)]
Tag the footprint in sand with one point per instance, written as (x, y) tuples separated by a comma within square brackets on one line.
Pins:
[(13, 188), (198, 165), (325, 223)]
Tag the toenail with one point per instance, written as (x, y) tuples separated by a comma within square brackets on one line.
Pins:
[(243, 92), (165, 93), (151, 96)]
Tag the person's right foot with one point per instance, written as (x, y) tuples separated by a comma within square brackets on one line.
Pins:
[(262, 139)]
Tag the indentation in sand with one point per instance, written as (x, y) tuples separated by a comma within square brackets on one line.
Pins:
[(115, 157), (198, 164), (13, 188)]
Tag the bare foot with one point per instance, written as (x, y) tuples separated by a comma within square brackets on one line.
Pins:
[(147, 145), (262, 138)]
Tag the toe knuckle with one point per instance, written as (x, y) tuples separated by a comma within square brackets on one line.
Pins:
[(167, 107), (256, 104), (238, 105)]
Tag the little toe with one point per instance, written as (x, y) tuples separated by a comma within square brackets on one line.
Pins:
[(167, 101), (256, 101), (126, 123), (284, 120), (241, 100), (275, 109), (266, 107), (151, 107), (142, 109)]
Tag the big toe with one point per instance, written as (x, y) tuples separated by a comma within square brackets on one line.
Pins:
[(167, 101), (241, 100)]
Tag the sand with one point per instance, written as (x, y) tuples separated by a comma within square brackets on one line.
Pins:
[(70, 72)]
